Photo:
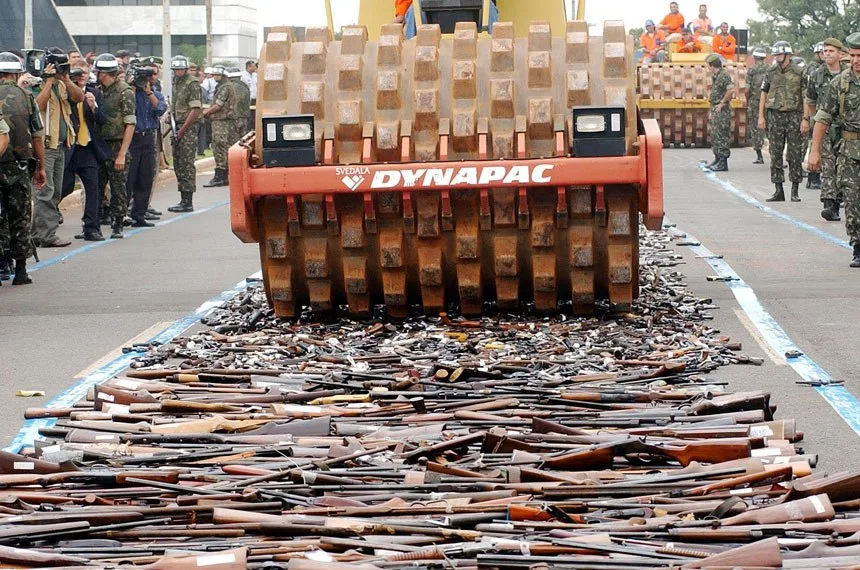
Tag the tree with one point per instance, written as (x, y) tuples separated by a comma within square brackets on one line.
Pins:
[(804, 22), (195, 54), (636, 33)]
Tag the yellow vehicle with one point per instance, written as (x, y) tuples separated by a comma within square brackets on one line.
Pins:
[(676, 95), (449, 170)]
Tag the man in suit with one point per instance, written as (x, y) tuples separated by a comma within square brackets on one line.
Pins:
[(88, 153)]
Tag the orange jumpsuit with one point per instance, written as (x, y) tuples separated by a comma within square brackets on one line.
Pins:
[(725, 45)]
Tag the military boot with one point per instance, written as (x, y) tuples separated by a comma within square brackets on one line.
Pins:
[(779, 195), (722, 165), (5, 270), (220, 179), (831, 210), (21, 276), (813, 181), (759, 159), (856, 261), (116, 228), (184, 204), (795, 191), (105, 217)]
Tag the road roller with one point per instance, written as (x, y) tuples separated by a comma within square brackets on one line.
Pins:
[(479, 165), (675, 93)]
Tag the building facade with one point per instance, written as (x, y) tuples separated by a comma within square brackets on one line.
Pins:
[(104, 26)]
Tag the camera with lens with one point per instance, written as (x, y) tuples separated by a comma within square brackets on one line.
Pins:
[(36, 60), (138, 74)]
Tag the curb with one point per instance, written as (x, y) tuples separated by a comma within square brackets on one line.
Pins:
[(74, 200)]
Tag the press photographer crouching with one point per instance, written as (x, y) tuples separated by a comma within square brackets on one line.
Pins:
[(54, 99), (150, 105), (88, 153)]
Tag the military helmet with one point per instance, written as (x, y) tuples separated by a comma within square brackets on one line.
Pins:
[(714, 60), (9, 63), (234, 72), (179, 62), (760, 52), (818, 48), (107, 63), (781, 47), (799, 61), (219, 70)]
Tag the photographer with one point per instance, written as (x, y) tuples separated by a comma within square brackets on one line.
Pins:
[(54, 100), (88, 154), (149, 107)]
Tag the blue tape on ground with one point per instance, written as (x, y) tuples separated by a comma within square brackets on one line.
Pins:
[(728, 186), (128, 233), (68, 397), (840, 399)]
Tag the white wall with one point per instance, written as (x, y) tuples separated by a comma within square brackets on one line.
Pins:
[(234, 24)]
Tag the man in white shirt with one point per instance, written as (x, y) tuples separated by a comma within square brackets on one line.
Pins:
[(249, 78)]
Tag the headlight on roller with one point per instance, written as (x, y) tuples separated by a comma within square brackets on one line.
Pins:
[(590, 124), (297, 132), (598, 131), (288, 140)]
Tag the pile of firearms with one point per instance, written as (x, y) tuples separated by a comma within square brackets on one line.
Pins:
[(434, 443)]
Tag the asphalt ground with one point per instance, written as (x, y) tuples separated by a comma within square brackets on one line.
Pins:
[(88, 303)]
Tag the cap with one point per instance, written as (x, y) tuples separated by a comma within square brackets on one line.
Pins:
[(853, 41), (649, 23), (832, 42), (714, 60)]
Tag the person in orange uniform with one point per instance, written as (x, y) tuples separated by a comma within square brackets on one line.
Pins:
[(673, 23), (725, 44), (702, 25), (652, 41), (688, 43), (400, 7)]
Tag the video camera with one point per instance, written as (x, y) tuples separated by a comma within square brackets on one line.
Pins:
[(139, 73), (36, 60)]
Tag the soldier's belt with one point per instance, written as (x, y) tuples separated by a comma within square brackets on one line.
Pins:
[(850, 135)]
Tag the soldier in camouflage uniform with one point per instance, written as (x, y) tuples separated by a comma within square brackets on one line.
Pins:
[(783, 99), (755, 77), (819, 83), (186, 111), (720, 123), (5, 272), (118, 130), (223, 127), (840, 107), (241, 106), (813, 179), (23, 160)]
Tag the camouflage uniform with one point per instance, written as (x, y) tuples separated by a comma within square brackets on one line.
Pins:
[(119, 109), (840, 106), (222, 123), (755, 77), (187, 98), (24, 122), (816, 90), (783, 89), (808, 70), (241, 108), (720, 124)]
